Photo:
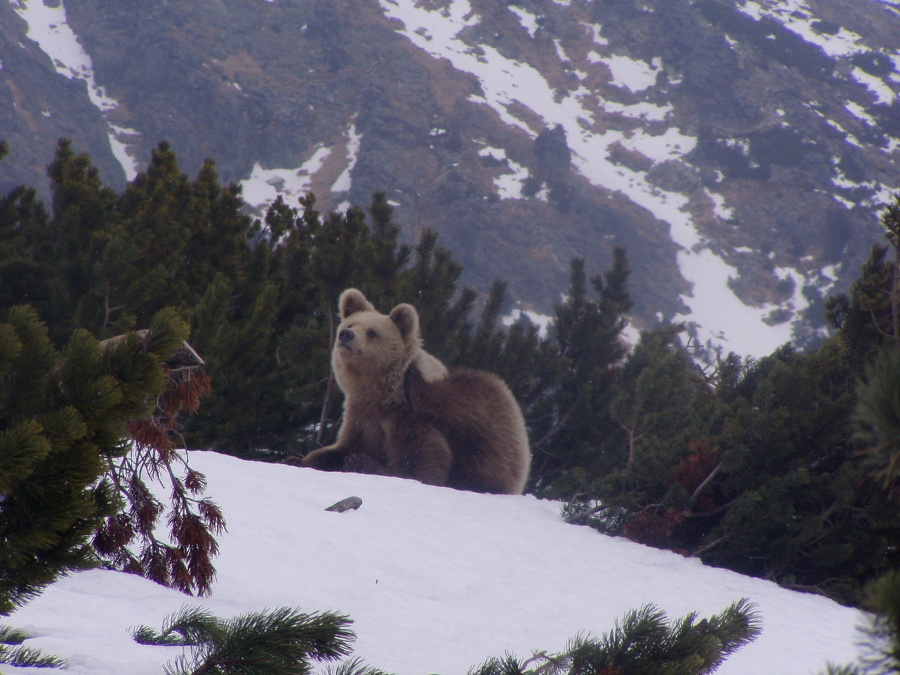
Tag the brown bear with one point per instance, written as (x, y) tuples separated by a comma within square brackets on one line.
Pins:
[(409, 417)]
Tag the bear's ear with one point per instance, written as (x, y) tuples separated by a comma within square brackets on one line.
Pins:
[(353, 301), (407, 319)]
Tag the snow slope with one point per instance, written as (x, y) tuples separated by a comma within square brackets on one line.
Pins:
[(435, 580)]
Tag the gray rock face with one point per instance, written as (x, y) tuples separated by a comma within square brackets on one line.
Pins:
[(792, 143)]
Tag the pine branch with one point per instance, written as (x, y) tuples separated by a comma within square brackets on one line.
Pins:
[(186, 564), (188, 627), (643, 643), (700, 550), (706, 481), (842, 670), (353, 666), (278, 642), (554, 430), (14, 653)]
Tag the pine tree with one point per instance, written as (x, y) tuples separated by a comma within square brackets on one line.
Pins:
[(44, 261), (883, 634), (570, 435), (660, 456), (64, 248), (62, 416), (259, 296), (657, 393), (862, 318), (871, 313), (890, 220), (388, 257), (878, 417), (762, 473), (22, 278), (170, 239), (431, 284), (756, 471)]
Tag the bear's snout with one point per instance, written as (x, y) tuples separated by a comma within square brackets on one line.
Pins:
[(346, 341)]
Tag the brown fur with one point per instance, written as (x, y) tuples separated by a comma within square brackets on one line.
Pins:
[(407, 416)]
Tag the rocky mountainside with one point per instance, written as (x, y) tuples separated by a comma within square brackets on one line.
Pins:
[(740, 150)]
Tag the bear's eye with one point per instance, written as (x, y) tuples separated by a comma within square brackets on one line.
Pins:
[(371, 334)]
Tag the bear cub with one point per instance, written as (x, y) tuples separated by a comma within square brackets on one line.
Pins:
[(405, 415)]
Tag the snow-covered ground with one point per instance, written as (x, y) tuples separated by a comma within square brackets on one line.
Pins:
[(435, 580)]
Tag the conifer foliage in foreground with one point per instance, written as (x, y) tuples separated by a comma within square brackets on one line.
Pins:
[(13, 652), (278, 642), (186, 562), (283, 641), (878, 418), (645, 643), (63, 420), (880, 643)]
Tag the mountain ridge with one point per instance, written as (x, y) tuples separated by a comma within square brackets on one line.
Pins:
[(740, 152)]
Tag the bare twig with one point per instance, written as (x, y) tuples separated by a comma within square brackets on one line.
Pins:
[(707, 480)]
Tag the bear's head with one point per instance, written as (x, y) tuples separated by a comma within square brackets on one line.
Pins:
[(373, 350)]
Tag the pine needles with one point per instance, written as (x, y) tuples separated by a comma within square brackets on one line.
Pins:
[(643, 643), (880, 646), (14, 653), (277, 642)]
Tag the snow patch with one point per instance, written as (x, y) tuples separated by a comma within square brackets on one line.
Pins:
[(49, 29), (798, 17), (599, 40), (720, 208), (508, 184), (542, 321), (850, 138), (636, 76), (649, 112), (882, 92), (561, 52), (527, 19), (671, 144), (262, 187), (343, 183)]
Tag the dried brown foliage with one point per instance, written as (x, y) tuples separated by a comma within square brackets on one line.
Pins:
[(130, 541), (654, 527), (660, 526)]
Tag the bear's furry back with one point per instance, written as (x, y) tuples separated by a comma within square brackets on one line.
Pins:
[(483, 424)]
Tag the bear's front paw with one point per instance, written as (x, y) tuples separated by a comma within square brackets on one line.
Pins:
[(325, 459)]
